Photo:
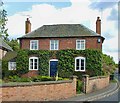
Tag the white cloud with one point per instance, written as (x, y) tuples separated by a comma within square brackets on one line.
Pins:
[(78, 12)]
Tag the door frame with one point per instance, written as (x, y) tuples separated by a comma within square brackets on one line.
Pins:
[(49, 64)]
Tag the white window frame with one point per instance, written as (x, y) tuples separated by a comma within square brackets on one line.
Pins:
[(54, 44), (31, 44), (80, 44), (12, 64), (80, 58), (33, 63)]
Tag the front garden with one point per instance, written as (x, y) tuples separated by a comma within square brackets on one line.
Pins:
[(16, 78)]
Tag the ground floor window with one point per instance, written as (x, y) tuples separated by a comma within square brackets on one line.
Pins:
[(12, 65), (80, 64), (33, 63)]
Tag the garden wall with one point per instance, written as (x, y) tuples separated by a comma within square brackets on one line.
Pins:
[(92, 84), (42, 91)]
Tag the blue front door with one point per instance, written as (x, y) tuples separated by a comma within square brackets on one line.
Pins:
[(53, 68)]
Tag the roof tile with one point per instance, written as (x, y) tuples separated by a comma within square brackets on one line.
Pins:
[(61, 30)]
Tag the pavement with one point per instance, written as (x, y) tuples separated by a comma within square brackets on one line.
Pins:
[(107, 91)]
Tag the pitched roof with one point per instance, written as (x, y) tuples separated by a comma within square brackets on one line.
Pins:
[(61, 30), (10, 55), (3, 44)]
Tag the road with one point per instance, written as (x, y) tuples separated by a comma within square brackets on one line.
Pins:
[(115, 96)]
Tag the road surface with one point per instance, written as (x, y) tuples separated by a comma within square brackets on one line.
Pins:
[(115, 96)]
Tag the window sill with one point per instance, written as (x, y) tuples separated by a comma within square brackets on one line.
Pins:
[(80, 70), (80, 49), (53, 50), (33, 49), (33, 69)]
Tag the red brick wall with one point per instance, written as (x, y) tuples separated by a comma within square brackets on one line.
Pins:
[(31, 73), (95, 83), (40, 91), (64, 43)]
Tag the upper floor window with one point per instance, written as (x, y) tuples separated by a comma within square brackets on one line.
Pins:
[(12, 65), (80, 44), (54, 44), (33, 44), (80, 64), (33, 63)]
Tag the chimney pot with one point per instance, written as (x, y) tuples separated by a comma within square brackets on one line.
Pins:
[(27, 19), (98, 18), (27, 26)]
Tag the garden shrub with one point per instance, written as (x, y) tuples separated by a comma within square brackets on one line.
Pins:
[(16, 78), (39, 78), (42, 78), (79, 86)]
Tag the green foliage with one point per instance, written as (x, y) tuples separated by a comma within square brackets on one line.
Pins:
[(79, 86), (22, 62), (5, 71), (23, 58), (109, 65), (66, 63), (16, 78), (116, 65), (3, 21), (1, 81), (14, 44), (42, 78), (44, 57)]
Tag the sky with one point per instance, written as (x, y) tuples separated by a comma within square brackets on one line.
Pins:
[(44, 12)]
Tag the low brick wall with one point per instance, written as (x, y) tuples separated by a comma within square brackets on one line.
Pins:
[(42, 91), (95, 83)]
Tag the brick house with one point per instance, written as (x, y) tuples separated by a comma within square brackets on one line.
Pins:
[(60, 37)]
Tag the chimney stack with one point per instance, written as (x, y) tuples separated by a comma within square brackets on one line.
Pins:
[(98, 26), (27, 26)]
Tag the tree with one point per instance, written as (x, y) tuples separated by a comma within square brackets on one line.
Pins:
[(3, 21), (108, 64), (13, 44)]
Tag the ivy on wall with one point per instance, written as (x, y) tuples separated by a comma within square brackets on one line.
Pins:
[(44, 57), (66, 62), (22, 62)]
